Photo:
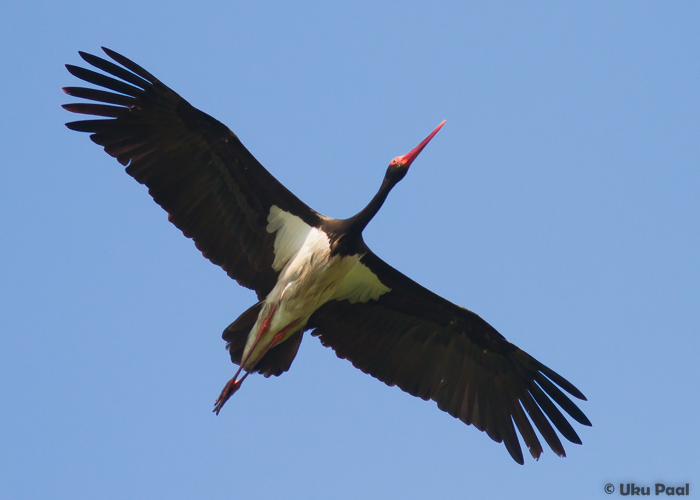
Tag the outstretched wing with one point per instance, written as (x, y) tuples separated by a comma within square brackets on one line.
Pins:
[(433, 349), (213, 189)]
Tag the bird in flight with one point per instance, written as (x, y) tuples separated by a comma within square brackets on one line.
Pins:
[(314, 273)]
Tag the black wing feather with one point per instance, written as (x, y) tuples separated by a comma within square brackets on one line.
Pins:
[(213, 189), (433, 349)]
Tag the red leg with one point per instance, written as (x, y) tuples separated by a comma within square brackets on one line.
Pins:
[(233, 385), (229, 390), (279, 336)]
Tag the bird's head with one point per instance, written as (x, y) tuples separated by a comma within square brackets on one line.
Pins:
[(399, 165)]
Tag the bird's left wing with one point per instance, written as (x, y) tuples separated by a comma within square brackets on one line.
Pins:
[(213, 189), (434, 349)]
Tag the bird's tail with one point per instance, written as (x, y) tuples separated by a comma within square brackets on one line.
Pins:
[(237, 332)]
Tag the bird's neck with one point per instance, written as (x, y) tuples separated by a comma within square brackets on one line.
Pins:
[(346, 235), (358, 223)]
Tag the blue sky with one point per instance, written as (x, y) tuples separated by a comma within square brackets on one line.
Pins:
[(560, 202)]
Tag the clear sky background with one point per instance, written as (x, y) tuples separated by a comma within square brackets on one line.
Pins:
[(560, 202)]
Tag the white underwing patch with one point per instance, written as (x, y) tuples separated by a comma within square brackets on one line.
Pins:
[(360, 285), (291, 235)]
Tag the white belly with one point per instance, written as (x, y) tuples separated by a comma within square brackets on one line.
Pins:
[(309, 277)]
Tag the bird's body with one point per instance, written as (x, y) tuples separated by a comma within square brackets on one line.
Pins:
[(314, 273), (311, 274)]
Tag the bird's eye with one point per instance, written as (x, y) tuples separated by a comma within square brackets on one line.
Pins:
[(396, 161)]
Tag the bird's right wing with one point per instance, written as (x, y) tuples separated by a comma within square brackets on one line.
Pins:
[(213, 189), (433, 349)]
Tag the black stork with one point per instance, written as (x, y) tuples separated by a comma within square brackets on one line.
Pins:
[(314, 273)]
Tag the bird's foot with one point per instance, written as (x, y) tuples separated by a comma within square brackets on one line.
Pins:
[(229, 389)]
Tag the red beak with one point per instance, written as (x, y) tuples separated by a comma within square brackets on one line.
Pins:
[(408, 158)]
